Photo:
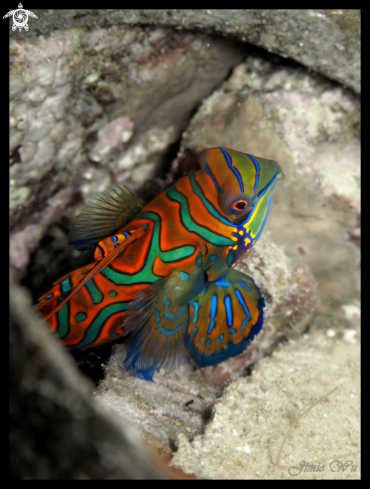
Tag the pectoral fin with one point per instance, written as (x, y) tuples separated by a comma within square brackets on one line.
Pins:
[(220, 266), (224, 318), (156, 320)]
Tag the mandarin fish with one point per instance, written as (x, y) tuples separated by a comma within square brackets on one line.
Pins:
[(163, 274)]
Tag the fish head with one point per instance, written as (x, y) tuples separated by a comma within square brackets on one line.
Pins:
[(243, 185)]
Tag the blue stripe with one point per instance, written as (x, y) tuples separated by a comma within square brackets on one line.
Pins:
[(207, 204), (257, 167), (244, 285), (228, 159), (168, 332), (195, 304), (213, 314), (101, 250), (220, 338), (166, 302), (259, 197), (263, 191), (211, 175), (126, 234), (264, 219), (222, 283), (229, 311), (243, 304)]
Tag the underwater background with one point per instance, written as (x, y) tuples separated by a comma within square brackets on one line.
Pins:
[(109, 97)]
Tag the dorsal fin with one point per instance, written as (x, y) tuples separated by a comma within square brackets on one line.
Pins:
[(103, 216)]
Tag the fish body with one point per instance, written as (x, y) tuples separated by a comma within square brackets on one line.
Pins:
[(164, 273)]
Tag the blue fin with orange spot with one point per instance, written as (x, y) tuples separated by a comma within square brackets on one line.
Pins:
[(157, 324), (224, 318)]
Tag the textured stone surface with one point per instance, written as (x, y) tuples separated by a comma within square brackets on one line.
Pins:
[(311, 127), (325, 40), (181, 401), (92, 108), (246, 437), (290, 291), (177, 402), (97, 102), (57, 431)]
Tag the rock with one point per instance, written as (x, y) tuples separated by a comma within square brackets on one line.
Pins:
[(177, 402), (181, 401), (57, 430), (53, 138), (298, 416), (98, 101), (22, 243), (111, 137), (290, 291), (325, 40), (311, 127), (64, 120)]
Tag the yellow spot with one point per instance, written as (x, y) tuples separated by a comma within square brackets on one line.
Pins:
[(234, 238), (233, 265), (241, 232), (247, 241), (235, 247)]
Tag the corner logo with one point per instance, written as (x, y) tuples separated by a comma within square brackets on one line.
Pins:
[(20, 17)]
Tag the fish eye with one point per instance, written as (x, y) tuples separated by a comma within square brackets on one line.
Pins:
[(239, 205)]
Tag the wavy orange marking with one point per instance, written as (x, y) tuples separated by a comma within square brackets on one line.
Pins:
[(137, 250), (175, 235), (199, 213)]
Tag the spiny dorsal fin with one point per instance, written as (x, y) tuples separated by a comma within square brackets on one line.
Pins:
[(103, 216)]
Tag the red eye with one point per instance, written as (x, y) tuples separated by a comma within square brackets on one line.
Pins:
[(239, 205)]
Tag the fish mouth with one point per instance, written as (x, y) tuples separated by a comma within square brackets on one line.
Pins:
[(281, 175)]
